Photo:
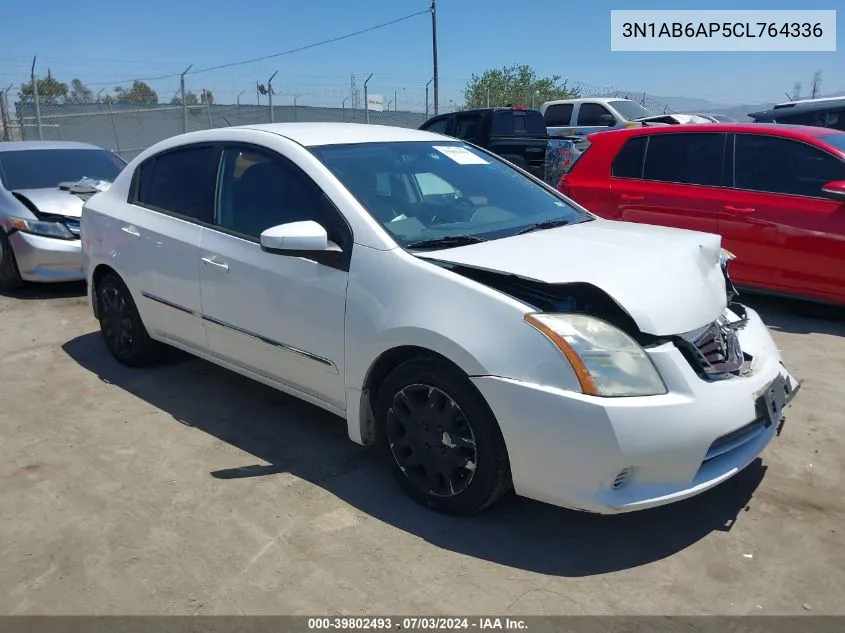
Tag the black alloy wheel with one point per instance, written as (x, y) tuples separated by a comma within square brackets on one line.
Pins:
[(121, 325), (431, 440), (440, 438)]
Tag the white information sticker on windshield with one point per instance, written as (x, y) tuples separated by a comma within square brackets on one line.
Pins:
[(461, 155)]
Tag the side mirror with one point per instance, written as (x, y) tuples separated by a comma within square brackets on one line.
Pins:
[(300, 239), (835, 190), (607, 120)]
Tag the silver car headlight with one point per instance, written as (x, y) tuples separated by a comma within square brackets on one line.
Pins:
[(605, 359), (42, 227)]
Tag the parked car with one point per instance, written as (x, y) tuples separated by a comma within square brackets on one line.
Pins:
[(515, 133), (567, 117), (40, 207), (826, 112), (775, 193), (479, 328), (716, 118)]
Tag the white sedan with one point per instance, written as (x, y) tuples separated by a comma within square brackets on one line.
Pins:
[(484, 331)]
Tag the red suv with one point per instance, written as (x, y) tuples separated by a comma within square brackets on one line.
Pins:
[(775, 193)]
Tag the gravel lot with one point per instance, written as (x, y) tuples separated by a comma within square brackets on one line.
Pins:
[(187, 489)]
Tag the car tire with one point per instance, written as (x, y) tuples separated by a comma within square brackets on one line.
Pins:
[(440, 438), (121, 325), (10, 275)]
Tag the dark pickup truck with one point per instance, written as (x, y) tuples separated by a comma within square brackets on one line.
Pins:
[(517, 134)]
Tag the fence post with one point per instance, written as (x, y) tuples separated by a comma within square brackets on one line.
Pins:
[(5, 117), (270, 96), (366, 100), (184, 101), (114, 127), (37, 104)]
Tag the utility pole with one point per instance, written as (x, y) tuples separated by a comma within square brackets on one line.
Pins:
[(434, 52), (184, 101), (366, 100), (270, 96)]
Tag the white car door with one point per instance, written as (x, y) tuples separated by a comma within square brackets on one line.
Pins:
[(280, 316), (172, 196)]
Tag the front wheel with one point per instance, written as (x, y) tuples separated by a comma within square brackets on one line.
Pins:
[(440, 438), (121, 325), (10, 276)]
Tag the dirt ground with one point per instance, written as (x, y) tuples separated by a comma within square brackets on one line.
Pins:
[(187, 489)]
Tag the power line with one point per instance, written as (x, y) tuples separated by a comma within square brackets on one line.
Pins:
[(274, 55)]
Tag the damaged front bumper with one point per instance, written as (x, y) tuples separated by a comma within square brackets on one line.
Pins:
[(612, 455), (47, 259)]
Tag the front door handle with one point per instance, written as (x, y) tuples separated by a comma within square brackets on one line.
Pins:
[(131, 230), (631, 198), (739, 209), (208, 260)]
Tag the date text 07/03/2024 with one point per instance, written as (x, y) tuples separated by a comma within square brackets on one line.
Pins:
[(723, 29), (416, 623)]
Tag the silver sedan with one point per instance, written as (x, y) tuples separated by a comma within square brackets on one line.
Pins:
[(43, 185)]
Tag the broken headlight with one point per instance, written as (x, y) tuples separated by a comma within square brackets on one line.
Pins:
[(605, 359)]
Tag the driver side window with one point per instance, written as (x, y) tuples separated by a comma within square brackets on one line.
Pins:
[(260, 189)]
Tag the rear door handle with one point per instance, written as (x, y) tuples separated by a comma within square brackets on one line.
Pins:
[(131, 230), (739, 209), (208, 260), (631, 198)]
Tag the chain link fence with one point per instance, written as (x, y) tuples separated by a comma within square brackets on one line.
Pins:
[(127, 129)]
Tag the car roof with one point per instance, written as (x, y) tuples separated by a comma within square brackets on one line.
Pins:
[(17, 146), (314, 134), (813, 105), (587, 99), (773, 129)]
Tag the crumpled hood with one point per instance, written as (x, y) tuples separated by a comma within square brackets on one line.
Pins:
[(54, 201), (669, 280)]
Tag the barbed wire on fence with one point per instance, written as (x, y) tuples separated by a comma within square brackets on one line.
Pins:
[(129, 117)]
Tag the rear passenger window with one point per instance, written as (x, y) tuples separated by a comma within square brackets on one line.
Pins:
[(180, 181), (691, 159), (629, 160), (780, 165), (558, 115), (590, 114)]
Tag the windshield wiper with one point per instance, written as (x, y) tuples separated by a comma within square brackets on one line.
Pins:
[(446, 241), (546, 224)]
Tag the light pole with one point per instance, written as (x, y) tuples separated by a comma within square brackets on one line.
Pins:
[(239, 96)]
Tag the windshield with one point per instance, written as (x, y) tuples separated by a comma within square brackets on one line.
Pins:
[(46, 168), (837, 140), (428, 190), (630, 110)]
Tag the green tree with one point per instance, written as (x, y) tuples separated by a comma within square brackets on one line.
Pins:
[(50, 90), (206, 97), (79, 92), (190, 99), (139, 93), (515, 85)]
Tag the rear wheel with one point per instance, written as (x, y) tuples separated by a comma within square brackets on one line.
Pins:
[(121, 325), (440, 438), (10, 275)]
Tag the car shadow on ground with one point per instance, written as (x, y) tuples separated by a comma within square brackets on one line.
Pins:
[(291, 436), (41, 292), (795, 316)]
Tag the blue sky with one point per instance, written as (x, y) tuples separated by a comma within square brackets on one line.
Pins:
[(103, 42)]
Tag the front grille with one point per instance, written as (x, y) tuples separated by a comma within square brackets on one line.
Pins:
[(714, 350)]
